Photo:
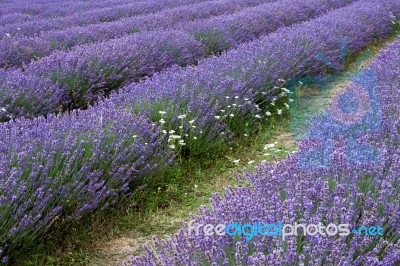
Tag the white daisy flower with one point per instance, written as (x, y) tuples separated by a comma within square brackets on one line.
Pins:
[(269, 146)]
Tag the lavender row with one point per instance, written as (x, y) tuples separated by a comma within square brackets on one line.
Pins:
[(72, 80), (345, 193), (221, 33), (23, 12), (92, 71), (32, 28), (66, 167), (15, 18), (18, 50), (60, 8)]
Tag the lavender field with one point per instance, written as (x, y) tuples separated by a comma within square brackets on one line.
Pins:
[(118, 113)]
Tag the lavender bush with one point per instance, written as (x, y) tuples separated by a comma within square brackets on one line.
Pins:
[(14, 93), (65, 167), (348, 193)]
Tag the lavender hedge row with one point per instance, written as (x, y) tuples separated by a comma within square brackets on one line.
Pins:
[(66, 167), (218, 34), (31, 10), (27, 11), (22, 49), (72, 80), (32, 28), (15, 18), (345, 193), (92, 71)]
